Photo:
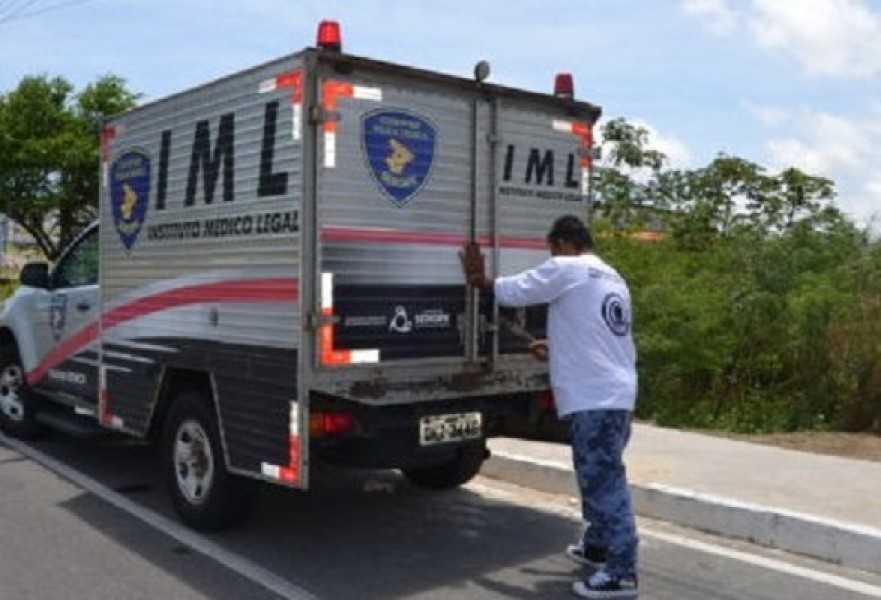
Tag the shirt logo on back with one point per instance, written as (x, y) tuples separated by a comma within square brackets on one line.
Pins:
[(616, 314)]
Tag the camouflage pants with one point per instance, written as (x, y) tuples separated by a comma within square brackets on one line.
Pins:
[(598, 441)]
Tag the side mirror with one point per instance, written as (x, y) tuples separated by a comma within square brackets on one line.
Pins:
[(35, 275)]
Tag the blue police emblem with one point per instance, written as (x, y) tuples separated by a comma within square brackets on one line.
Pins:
[(399, 147), (57, 315), (130, 194)]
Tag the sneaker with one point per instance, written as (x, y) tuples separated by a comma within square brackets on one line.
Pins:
[(592, 556), (602, 586)]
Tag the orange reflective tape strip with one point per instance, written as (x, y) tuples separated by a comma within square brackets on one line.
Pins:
[(329, 354), (291, 473), (332, 91), (294, 80), (585, 132), (108, 134), (582, 129)]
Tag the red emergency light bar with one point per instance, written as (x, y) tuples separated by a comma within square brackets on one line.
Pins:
[(563, 86), (329, 36)]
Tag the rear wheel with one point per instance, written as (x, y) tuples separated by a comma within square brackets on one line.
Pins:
[(450, 474), (16, 405), (206, 496)]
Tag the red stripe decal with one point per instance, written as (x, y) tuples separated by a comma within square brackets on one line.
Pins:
[(387, 236), (72, 344), (249, 290), (256, 290)]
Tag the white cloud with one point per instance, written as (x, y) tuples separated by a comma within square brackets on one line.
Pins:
[(874, 121), (864, 205), (678, 154), (769, 115), (718, 16), (829, 144), (838, 38), (828, 38), (873, 192), (846, 150)]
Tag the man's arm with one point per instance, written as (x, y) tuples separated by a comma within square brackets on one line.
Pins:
[(539, 285), (483, 283)]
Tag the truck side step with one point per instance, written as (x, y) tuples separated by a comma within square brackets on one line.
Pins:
[(72, 424)]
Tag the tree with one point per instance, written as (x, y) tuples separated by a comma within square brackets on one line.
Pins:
[(733, 194), (698, 205), (760, 311), (49, 154), (628, 179)]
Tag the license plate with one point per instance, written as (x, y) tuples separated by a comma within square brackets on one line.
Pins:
[(439, 429)]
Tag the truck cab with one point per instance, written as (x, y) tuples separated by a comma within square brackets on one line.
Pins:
[(51, 310)]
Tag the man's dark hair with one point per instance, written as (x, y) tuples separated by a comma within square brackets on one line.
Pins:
[(573, 230)]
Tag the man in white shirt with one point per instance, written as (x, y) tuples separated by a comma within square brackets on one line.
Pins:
[(593, 377)]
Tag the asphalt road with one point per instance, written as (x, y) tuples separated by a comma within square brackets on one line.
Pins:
[(103, 529)]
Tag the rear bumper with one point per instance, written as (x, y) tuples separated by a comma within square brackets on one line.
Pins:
[(388, 437)]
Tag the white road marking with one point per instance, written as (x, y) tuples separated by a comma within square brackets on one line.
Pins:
[(757, 560), (766, 562), (235, 562)]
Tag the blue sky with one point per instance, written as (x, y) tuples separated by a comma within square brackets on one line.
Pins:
[(779, 82)]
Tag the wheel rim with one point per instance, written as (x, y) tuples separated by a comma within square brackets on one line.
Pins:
[(11, 384), (193, 462)]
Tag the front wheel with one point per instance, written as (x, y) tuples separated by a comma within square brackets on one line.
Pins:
[(206, 496), (450, 474), (16, 405)]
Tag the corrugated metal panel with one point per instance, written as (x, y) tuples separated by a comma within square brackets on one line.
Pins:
[(200, 244), (390, 235), (352, 202), (406, 243), (208, 242), (539, 179)]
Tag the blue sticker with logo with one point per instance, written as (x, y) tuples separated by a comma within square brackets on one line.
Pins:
[(130, 194), (57, 315), (400, 148)]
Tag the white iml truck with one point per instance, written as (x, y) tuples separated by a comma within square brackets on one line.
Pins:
[(275, 276)]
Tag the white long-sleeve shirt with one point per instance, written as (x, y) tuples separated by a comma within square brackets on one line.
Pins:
[(591, 353)]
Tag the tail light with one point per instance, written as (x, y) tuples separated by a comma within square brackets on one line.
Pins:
[(546, 401), (331, 423)]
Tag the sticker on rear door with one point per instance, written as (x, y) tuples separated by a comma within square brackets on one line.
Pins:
[(399, 147)]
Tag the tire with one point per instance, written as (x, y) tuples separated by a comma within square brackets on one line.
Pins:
[(451, 474), (205, 495), (16, 403)]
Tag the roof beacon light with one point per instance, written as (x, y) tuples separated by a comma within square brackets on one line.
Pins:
[(329, 36), (563, 86)]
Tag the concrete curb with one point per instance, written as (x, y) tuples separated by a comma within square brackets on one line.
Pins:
[(833, 541)]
